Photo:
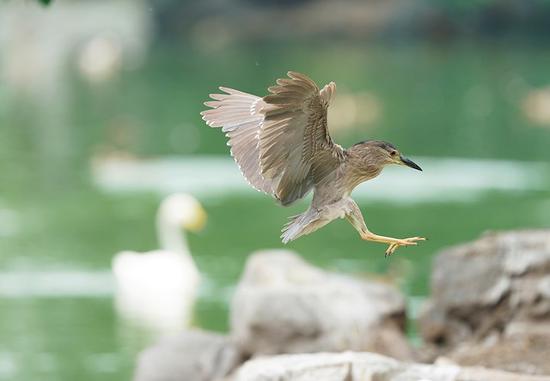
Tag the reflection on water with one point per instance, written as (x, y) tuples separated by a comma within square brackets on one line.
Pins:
[(69, 302), (39, 47), (443, 179), (56, 284), (60, 225)]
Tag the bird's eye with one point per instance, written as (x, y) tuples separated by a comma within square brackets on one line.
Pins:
[(393, 153)]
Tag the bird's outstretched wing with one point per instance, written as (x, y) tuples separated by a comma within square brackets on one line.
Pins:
[(240, 117), (281, 142)]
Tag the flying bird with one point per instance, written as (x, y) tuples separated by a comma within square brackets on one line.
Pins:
[(283, 147)]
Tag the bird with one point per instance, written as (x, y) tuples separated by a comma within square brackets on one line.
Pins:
[(283, 147), (157, 289)]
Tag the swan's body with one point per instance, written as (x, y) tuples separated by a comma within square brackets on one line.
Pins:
[(157, 289)]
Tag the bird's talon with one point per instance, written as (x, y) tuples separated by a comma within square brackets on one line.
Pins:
[(391, 249), (413, 241)]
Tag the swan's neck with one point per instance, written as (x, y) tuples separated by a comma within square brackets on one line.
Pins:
[(172, 238)]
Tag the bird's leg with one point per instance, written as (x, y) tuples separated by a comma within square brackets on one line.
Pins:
[(355, 217)]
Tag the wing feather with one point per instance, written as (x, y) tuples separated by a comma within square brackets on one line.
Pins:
[(280, 142), (295, 144), (239, 115)]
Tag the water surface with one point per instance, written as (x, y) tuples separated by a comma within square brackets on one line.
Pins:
[(59, 228)]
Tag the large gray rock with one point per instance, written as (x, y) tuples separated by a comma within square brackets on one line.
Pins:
[(363, 367), (490, 302), (192, 355), (519, 349), (284, 305)]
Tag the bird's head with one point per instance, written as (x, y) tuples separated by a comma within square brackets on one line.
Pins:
[(180, 209), (377, 153)]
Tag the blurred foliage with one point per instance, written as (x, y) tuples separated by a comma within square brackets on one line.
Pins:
[(480, 4), (45, 2), (434, 19)]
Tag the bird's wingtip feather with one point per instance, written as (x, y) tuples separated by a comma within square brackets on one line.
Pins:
[(213, 104), (293, 74), (227, 90)]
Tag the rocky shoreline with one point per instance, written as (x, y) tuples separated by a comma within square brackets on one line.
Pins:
[(488, 318)]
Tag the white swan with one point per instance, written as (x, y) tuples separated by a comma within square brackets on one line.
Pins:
[(156, 290)]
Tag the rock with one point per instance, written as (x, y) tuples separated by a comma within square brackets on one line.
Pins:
[(285, 305), (491, 300), (521, 348), (351, 366), (192, 355)]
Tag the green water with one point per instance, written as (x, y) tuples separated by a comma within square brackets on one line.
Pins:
[(462, 101)]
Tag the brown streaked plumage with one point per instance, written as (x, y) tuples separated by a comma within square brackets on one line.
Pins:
[(282, 146)]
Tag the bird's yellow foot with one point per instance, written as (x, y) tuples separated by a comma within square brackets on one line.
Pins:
[(412, 241)]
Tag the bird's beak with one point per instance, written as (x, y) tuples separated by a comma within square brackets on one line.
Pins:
[(410, 163), (199, 222)]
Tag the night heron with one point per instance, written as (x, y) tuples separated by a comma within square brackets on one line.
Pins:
[(282, 146)]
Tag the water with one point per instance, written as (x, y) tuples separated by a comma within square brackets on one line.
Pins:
[(62, 218)]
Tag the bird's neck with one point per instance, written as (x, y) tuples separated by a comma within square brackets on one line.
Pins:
[(358, 171), (171, 238)]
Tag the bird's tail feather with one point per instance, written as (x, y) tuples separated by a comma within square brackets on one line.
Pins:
[(291, 229), (299, 225)]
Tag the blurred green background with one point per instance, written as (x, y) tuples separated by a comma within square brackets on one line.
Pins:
[(441, 80)]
